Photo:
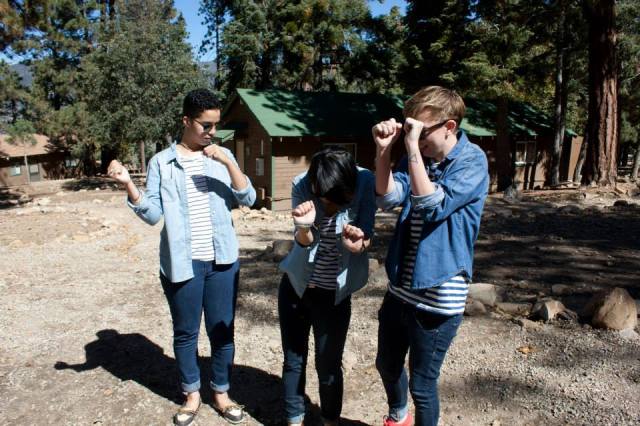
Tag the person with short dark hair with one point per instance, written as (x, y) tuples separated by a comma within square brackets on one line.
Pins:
[(441, 184), (333, 214), (193, 184)]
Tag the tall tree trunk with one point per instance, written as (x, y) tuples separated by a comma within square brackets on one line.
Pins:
[(636, 162), (560, 100), (217, 82), (143, 159), (577, 173), (602, 121), (26, 163), (504, 162)]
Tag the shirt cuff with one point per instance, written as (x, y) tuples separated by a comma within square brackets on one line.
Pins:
[(142, 203), (241, 193), (390, 199), (421, 202)]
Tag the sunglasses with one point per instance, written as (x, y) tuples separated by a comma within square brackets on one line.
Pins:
[(426, 131), (206, 126)]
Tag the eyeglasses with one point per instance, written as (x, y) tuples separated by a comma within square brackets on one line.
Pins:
[(206, 126), (426, 131)]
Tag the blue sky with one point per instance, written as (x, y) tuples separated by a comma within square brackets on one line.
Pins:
[(197, 30)]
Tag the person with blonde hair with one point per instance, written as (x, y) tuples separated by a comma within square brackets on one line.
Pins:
[(441, 185)]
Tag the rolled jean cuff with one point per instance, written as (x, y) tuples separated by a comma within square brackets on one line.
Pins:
[(190, 388), (397, 414), (296, 419), (219, 388)]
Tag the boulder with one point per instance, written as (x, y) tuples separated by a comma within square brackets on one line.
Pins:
[(547, 310), (613, 309), (474, 308), (485, 293)]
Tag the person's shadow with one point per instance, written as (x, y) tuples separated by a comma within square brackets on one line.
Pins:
[(134, 357)]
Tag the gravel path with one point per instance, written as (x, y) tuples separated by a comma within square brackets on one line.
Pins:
[(86, 332)]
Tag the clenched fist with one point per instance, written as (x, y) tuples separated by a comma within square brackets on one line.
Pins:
[(118, 172), (304, 214), (353, 239), (412, 129), (216, 153), (386, 133)]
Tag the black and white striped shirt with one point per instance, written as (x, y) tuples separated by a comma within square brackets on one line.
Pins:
[(199, 209), (325, 271), (447, 299)]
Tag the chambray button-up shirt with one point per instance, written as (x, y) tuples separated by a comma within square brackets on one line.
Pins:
[(166, 195), (452, 216), (353, 269)]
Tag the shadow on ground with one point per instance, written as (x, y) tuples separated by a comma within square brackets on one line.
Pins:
[(134, 357)]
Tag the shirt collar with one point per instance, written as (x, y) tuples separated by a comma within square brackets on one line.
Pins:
[(172, 153), (459, 146)]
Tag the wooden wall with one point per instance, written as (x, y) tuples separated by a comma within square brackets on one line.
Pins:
[(50, 166)]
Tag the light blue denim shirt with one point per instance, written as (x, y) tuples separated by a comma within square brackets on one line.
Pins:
[(166, 195), (353, 270), (452, 216)]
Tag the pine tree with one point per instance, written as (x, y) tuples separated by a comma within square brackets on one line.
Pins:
[(133, 84), (603, 113)]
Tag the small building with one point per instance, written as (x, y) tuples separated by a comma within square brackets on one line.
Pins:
[(274, 134), (531, 137), (45, 160)]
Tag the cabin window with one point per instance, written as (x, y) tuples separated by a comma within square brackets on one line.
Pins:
[(259, 166), (525, 153), (15, 170)]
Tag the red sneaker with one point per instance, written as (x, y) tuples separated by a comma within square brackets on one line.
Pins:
[(408, 421)]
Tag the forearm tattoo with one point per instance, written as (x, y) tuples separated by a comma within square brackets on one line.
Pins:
[(413, 158)]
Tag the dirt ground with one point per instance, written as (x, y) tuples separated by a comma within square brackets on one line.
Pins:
[(85, 329)]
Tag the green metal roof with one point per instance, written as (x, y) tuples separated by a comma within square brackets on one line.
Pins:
[(291, 113), (223, 135), (340, 114)]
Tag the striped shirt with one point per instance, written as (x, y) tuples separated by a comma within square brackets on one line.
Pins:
[(325, 271), (199, 209), (447, 299)]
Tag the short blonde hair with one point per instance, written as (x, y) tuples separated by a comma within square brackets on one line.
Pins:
[(442, 103)]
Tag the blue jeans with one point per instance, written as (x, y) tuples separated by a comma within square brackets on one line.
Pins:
[(427, 337), (330, 323), (213, 289)]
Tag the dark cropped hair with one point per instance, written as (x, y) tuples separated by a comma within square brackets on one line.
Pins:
[(199, 100), (333, 174)]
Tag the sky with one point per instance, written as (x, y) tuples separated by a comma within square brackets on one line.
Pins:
[(197, 30)]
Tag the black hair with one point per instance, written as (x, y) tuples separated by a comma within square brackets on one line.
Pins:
[(333, 174), (199, 100)]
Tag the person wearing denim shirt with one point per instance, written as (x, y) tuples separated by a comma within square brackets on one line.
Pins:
[(441, 186), (333, 213), (194, 185)]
